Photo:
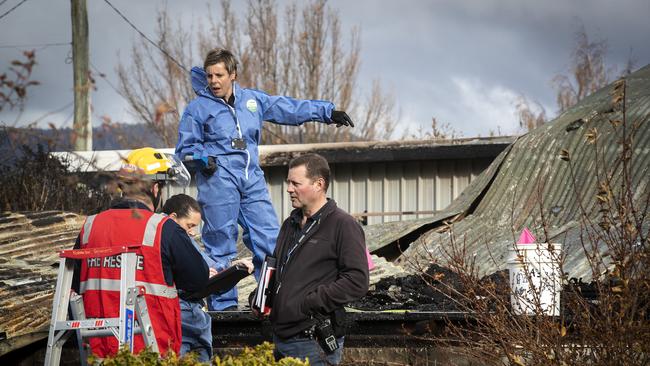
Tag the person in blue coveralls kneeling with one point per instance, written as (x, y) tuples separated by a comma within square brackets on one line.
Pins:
[(219, 132)]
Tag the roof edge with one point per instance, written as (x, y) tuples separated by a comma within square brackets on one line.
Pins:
[(335, 152)]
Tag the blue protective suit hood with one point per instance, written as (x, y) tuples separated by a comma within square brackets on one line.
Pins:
[(198, 79), (200, 82)]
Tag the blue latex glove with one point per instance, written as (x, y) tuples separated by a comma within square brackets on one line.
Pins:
[(210, 166), (207, 165), (200, 161)]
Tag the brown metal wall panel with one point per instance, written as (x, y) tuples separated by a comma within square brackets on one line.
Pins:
[(444, 184), (392, 191), (359, 189), (409, 189), (377, 175), (427, 188)]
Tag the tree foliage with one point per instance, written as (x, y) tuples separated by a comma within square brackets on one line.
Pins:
[(155, 87), (588, 71), (439, 131), (38, 181), (14, 84)]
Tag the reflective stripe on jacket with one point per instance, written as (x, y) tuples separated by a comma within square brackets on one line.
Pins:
[(100, 277)]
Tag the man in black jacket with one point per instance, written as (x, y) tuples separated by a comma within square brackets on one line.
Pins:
[(321, 266)]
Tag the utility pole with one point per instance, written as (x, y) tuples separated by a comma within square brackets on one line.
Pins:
[(82, 126)]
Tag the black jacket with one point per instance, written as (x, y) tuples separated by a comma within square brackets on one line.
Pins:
[(326, 271)]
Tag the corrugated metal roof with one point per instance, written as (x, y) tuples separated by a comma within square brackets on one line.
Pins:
[(394, 151), (336, 152), (531, 175), (29, 243)]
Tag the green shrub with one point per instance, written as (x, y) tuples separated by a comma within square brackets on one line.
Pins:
[(261, 355)]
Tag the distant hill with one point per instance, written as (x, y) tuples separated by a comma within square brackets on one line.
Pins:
[(117, 136)]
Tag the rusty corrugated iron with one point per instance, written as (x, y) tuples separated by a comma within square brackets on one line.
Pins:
[(29, 243)]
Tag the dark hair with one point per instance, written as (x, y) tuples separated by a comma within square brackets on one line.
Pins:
[(316, 166), (217, 55), (182, 204)]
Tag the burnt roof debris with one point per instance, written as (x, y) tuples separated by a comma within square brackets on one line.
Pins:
[(29, 242), (528, 175), (422, 292)]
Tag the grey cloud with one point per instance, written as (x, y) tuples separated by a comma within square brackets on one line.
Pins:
[(416, 47)]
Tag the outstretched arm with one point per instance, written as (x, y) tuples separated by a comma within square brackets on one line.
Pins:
[(290, 111)]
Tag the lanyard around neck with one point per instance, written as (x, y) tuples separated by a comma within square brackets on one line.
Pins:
[(298, 242)]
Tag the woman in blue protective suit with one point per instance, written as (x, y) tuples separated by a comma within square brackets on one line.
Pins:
[(220, 132)]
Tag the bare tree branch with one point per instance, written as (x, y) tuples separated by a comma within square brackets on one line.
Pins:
[(304, 57)]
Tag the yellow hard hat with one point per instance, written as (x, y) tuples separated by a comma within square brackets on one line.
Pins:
[(150, 163), (147, 160)]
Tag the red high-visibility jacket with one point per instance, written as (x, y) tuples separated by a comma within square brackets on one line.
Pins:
[(100, 277)]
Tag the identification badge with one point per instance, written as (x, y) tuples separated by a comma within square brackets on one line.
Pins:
[(238, 144)]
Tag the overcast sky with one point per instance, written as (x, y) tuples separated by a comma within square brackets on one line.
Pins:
[(463, 61)]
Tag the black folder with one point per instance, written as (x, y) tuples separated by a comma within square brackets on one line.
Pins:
[(221, 282)]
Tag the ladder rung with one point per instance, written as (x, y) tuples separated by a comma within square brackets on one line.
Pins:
[(87, 324), (105, 332), (124, 327), (97, 252)]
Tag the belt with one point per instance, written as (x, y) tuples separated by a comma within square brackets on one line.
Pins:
[(307, 333), (193, 300)]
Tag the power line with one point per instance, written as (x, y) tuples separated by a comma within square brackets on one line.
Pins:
[(61, 109), (103, 76), (35, 45), (268, 130), (144, 36), (12, 9)]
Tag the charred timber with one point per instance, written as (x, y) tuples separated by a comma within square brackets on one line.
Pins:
[(364, 329)]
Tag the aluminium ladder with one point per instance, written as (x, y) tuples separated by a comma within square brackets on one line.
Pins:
[(132, 306)]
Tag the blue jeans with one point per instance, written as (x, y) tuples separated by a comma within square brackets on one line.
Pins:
[(196, 326), (300, 347)]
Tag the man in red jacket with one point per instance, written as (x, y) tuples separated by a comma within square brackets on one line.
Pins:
[(167, 260)]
